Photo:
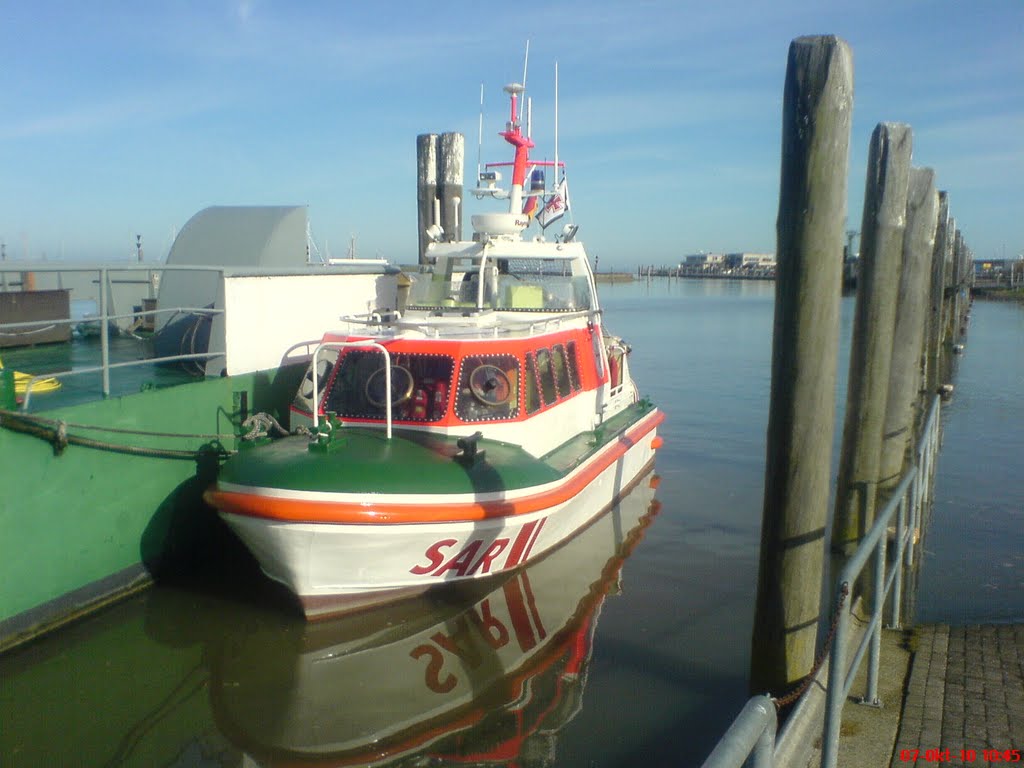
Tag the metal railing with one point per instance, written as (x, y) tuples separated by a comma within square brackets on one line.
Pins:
[(753, 731), (912, 496), (104, 317), (104, 371)]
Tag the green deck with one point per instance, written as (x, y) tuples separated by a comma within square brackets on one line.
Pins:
[(363, 461)]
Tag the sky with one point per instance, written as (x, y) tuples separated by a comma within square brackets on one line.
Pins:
[(120, 119)]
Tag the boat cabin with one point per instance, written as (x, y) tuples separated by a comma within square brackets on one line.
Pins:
[(492, 332), (451, 383)]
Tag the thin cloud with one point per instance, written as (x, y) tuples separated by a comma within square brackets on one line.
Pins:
[(244, 11), (113, 113)]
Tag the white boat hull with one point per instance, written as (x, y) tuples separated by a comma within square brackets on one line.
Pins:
[(334, 568)]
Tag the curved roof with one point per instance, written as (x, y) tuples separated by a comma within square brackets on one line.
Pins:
[(244, 235), (231, 236)]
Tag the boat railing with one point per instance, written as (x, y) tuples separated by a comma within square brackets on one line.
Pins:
[(104, 371), (458, 326), (104, 276), (339, 345), (753, 730)]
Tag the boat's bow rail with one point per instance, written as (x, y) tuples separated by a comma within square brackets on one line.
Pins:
[(383, 376)]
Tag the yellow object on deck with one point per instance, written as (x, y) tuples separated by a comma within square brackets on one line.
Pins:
[(21, 381)]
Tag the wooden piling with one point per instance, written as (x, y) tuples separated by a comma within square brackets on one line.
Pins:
[(933, 358), (426, 186), (962, 273), (906, 372), (450, 161), (952, 289), (817, 106), (885, 203), (949, 292), (958, 245)]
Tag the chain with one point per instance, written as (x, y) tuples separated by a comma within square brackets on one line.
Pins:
[(789, 698)]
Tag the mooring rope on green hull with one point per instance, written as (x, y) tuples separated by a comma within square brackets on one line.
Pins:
[(120, 431), (55, 432)]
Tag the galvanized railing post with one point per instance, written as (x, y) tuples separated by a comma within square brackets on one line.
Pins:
[(878, 602), (104, 334), (915, 501), (836, 688), (901, 537)]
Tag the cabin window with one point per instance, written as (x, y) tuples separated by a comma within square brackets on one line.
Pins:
[(551, 375), (572, 366), (546, 377), (419, 386), (488, 388), (531, 385), (303, 400), (561, 369)]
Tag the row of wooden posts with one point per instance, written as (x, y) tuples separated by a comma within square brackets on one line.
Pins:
[(910, 312), (440, 159)]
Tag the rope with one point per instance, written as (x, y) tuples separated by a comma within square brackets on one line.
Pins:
[(44, 329), (96, 428), (261, 424), (789, 698), (56, 433)]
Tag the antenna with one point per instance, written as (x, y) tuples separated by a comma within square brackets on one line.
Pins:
[(480, 137), (556, 125), (526, 61)]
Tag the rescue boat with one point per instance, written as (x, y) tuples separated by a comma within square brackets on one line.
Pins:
[(487, 422), (483, 677)]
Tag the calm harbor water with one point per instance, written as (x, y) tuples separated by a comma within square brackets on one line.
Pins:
[(629, 646)]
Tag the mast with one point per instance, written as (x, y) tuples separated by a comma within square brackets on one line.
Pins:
[(513, 135)]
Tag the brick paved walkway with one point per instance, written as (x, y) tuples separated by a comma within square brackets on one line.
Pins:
[(965, 692)]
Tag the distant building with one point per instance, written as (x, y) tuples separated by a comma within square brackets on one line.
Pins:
[(991, 267), (750, 261), (740, 265), (706, 261)]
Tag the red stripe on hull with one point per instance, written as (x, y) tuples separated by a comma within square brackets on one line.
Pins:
[(420, 510)]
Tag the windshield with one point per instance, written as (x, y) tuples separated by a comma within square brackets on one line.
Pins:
[(508, 284)]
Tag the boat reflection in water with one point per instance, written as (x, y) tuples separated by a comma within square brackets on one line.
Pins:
[(453, 677)]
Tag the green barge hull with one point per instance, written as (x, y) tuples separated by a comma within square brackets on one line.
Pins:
[(105, 455), (83, 525)]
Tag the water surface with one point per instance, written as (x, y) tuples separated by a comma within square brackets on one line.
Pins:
[(636, 649)]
